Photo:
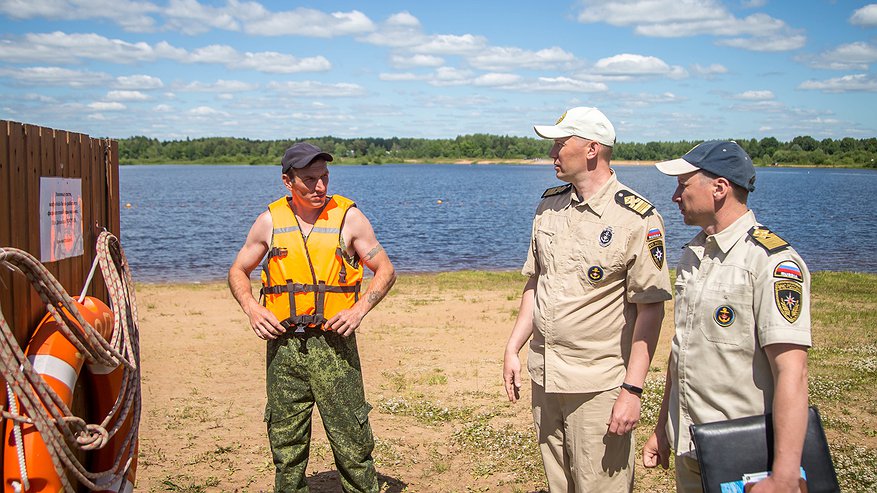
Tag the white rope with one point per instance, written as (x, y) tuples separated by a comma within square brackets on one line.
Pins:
[(19, 443)]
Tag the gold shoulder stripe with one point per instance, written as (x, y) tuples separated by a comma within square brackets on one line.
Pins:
[(767, 239), (634, 202), (556, 190)]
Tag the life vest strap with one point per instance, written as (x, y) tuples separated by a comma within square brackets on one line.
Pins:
[(291, 287)]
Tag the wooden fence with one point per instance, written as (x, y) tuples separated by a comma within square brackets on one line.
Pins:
[(27, 153)]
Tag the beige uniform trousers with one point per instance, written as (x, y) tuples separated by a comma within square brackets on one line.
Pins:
[(578, 452), (688, 474)]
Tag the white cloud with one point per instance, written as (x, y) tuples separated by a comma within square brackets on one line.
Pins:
[(852, 56), (847, 83), (755, 95), (627, 64), (562, 84), (787, 43), (450, 44), (219, 86), (399, 30), (163, 108), (139, 81), (403, 19), (191, 17), (318, 89), (107, 106), (403, 76), (131, 15), (865, 16), (506, 58), (683, 18), (753, 4), (59, 47), (709, 70), (205, 111), (126, 96), (495, 79), (308, 22), (55, 76), (416, 61), (278, 63)]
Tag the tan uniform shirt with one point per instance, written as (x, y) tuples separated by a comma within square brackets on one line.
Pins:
[(733, 297), (594, 260)]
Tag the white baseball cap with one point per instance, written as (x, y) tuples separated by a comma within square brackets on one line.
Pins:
[(588, 123)]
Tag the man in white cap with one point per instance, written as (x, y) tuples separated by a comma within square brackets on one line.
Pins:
[(593, 306), (742, 321)]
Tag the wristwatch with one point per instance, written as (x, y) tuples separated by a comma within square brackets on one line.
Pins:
[(630, 388)]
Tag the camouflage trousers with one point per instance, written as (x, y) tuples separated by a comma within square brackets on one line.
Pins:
[(322, 368)]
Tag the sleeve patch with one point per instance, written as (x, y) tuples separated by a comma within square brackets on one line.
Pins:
[(787, 295), (556, 190), (767, 239), (788, 269), (655, 242), (634, 202)]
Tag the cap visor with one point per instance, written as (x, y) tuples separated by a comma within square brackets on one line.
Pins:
[(550, 132), (676, 167)]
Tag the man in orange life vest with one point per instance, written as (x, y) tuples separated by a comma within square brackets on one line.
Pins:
[(314, 245)]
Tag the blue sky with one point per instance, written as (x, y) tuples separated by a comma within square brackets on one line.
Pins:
[(659, 69)]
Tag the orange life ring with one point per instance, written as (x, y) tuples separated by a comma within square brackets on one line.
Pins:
[(59, 363)]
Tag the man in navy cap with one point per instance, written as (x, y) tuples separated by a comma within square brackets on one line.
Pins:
[(742, 321), (314, 246)]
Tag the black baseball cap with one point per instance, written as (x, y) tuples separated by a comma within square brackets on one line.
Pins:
[(302, 154), (723, 158)]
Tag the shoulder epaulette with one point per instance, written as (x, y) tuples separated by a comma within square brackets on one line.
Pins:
[(556, 190), (634, 202), (767, 239)]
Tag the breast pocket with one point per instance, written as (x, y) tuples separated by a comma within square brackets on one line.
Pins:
[(596, 264), (544, 241), (725, 314)]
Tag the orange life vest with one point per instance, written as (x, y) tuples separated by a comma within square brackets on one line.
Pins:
[(307, 281)]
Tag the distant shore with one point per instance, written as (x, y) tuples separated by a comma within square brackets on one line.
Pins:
[(477, 161)]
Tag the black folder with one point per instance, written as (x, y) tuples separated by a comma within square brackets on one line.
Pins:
[(726, 450)]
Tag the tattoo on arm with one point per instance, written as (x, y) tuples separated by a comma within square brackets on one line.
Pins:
[(373, 252), (373, 298)]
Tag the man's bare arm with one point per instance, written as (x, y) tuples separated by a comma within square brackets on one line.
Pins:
[(361, 237), (262, 321), (789, 365)]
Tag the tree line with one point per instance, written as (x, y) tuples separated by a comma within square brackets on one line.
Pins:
[(802, 150)]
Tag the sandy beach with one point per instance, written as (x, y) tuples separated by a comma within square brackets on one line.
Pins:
[(432, 359)]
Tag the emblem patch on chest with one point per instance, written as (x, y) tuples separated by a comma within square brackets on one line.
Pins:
[(788, 299), (655, 242), (595, 273), (606, 237), (724, 316)]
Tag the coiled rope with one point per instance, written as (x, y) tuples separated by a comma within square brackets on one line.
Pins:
[(62, 431)]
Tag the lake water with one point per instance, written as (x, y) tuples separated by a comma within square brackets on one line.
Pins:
[(186, 223)]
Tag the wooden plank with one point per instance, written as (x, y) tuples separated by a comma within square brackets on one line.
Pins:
[(5, 234), (98, 207), (33, 136), (88, 233), (113, 195), (18, 211), (61, 170), (5, 217), (74, 264)]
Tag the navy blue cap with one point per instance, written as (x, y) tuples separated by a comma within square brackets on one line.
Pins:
[(720, 157), (302, 154)]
